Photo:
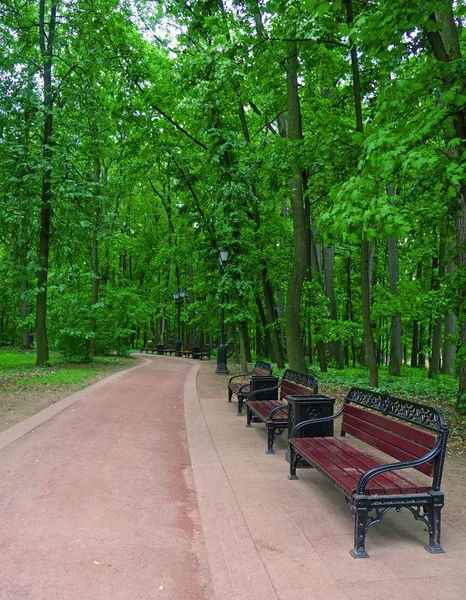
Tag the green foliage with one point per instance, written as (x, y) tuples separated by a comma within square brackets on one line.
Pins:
[(413, 384)]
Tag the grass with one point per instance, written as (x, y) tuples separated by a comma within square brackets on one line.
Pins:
[(17, 368)]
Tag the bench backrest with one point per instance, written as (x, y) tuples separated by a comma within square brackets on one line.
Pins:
[(402, 429), (262, 369), (294, 383)]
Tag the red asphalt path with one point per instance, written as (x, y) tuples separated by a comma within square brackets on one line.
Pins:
[(98, 502)]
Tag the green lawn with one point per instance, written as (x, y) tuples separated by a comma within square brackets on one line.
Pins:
[(18, 368)]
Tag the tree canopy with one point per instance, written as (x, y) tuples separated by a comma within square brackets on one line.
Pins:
[(321, 142)]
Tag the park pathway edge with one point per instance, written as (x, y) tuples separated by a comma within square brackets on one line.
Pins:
[(15, 432)]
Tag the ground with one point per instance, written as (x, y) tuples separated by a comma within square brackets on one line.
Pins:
[(19, 401)]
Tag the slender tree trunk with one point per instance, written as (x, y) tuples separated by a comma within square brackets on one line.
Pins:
[(95, 257), (329, 258), (434, 364), (298, 273), (449, 347), (366, 317), (415, 344), (394, 367), (316, 271), (46, 40), (446, 46), (365, 245)]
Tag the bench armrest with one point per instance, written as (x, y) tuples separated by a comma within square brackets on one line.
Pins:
[(276, 409), (240, 375), (262, 390), (406, 464), (319, 420)]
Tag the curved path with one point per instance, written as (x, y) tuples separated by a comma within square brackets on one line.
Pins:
[(97, 498), (147, 485)]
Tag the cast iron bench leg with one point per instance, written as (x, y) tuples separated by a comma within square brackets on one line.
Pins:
[(248, 416), (270, 437), (240, 405), (434, 518), (360, 506), (230, 393), (293, 463)]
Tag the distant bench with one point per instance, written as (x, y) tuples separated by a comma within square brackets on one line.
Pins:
[(149, 348), (163, 349), (258, 378), (413, 434), (187, 352), (274, 413), (201, 352)]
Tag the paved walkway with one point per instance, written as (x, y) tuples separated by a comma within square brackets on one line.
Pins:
[(147, 485)]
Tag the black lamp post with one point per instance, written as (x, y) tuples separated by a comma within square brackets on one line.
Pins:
[(222, 351), (179, 295)]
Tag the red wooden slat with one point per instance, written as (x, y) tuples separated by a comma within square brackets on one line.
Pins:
[(388, 486), (345, 464), (387, 479), (260, 373), (288, 388), (347, 477), (375, 439), (345, 460), (424, 438), (263, 408), (389, 437)]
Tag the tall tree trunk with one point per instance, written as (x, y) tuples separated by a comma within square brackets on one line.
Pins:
[(449, 347), (46, 41), (316, 270), (95, 257), (446, 46), (394, 367), (293, 300), (434, 363), (366, 316), (366, 271), (415, 344), (329, 258)]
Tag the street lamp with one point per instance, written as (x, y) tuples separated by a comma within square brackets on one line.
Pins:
[(179, 295), (222, 351)]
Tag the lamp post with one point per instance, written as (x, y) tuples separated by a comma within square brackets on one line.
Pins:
[(222, 351), (179, 295)]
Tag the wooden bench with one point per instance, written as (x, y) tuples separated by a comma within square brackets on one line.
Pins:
[(187, 352), (163, 349), (413, 434), (200, 352), (149, 348), (274, 413), (259, 378)]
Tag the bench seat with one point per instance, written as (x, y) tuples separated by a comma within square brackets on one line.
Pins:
[(345, 463), (264, 410)]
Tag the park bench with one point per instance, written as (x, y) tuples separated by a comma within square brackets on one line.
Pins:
[(415, 435), (163, 349), (274, 413), (188, 351), (200, 352), (259, 378), (149, 348)]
